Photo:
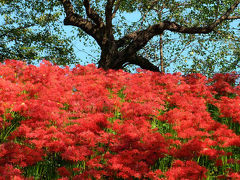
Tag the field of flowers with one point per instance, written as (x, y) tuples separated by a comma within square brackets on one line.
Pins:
[(85, 123)]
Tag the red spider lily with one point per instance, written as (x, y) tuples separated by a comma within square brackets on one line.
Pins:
[(9, 172), (63, 171), (186, 170), (115, 124)]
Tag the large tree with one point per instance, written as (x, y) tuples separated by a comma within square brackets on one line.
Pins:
[(34, 29), (97, 21)]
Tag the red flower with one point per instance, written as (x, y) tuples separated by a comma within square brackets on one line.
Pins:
[(106, 119), (74, 153), (63, 172), (189, 150), (9, 172), (186, 170)]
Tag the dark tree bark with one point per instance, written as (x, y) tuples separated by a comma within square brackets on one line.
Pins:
[(116, 53)]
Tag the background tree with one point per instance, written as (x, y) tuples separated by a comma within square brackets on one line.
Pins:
[(29, 30), (195, 34)]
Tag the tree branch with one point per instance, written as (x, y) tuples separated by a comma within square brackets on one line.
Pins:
[(172, 26), (127, 38), (93, 15), (233, 17), (76, 20), (226, 15), (109, 14), (16, 29), (68, 8), (143, 37), (116, 8), (143, 63)]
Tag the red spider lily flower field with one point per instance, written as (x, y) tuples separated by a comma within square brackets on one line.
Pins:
[(86, 123)]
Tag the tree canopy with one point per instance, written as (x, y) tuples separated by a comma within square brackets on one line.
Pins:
[(29, 30), (194, 36)]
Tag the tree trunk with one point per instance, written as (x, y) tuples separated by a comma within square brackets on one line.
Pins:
[(110, 58)]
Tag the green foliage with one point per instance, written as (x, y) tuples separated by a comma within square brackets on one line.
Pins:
[(29, 31), (6, 130), (215, 114), (45, 169), (163, 163)]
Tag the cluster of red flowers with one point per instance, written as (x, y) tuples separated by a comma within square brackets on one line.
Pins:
[(114, 124)]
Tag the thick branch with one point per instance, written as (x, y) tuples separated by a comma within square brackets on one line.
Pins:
[(127, 38), (68, 8), (108, 14), (76, 20), (143, 38), (93, 15), (143, 63)]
